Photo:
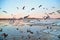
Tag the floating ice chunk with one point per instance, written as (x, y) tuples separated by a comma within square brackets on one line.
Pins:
[(56, 24)]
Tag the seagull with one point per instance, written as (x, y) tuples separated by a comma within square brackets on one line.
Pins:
[(17, 28), (51, 13), (26, 16), (29, 36), (40, 6), (5, 35), (5, 11), (46, 17), (46, 8), (23, 7), (17, 8), (58, 11), (32, 8), (59, 36), (30, 31)]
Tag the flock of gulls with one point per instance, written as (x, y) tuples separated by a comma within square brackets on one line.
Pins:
[(45, 17), (23, 8)]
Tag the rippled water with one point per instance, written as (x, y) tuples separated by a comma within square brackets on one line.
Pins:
[(37, 30)]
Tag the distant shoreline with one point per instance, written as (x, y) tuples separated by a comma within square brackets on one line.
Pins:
[(23, 18)]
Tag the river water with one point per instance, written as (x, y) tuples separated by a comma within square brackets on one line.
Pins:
[(30, 29)]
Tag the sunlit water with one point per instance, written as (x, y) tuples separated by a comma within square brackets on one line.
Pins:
[(38, 30)]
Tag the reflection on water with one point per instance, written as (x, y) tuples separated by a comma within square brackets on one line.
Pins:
[(28, 29)]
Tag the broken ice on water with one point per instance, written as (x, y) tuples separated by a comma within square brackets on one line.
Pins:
[(38, 30)]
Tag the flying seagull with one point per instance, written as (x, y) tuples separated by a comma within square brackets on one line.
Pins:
[(4, 11), (5, 35), (30, 31), (51, 13), (26, 16), (46, 8), (23, 7), (58, 11), (46, 17), (40, 6), (32, 8), (17, 8)]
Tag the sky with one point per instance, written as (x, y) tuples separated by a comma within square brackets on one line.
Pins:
[(10, 6)]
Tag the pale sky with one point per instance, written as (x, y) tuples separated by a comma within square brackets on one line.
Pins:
[(11, 7)]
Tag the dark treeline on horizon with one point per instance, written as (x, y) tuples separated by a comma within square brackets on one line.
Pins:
[(22, 18)]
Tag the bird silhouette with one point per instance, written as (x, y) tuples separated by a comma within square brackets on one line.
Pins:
[(46, 8), (17, 29), (40, 6), (59, 36), (51, 13), (30, 31), (17, 8), (5, 35), (46, 17), (58, 11), (23, 7), (29, 36), (32, 9), (26, 16), (4, 11)]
